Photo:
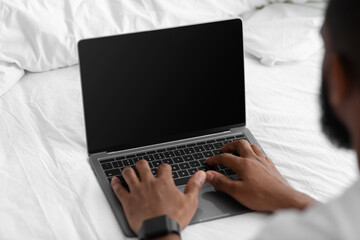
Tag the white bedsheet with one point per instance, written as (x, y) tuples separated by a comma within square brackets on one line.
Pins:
[(47, 187)]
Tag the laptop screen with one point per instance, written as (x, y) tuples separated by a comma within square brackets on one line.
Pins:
[(164, 85)]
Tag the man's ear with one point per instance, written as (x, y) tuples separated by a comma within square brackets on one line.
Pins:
[(339, 86)]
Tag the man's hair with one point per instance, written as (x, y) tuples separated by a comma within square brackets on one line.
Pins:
[(343, 27)]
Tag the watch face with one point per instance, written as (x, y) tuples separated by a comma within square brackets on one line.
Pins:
[(157, 227)]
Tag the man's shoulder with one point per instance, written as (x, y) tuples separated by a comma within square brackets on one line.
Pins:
[(337, 219)]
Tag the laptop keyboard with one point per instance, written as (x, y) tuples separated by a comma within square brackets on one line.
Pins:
[(184, 160)]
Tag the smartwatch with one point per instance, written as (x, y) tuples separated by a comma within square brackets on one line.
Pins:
[(158, 227)]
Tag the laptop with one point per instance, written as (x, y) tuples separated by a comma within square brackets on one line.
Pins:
[(171, 96)]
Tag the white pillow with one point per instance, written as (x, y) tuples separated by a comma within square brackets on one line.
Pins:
[(43, 34), (10, 73), (281, 33)]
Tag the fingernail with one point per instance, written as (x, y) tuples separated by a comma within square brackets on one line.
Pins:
[(201, 176), (209, 176), (114, 180)]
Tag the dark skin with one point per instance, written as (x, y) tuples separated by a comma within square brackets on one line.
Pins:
[(150, 197), (259, 185)]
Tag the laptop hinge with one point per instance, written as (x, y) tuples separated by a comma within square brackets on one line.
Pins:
[(172, 142)]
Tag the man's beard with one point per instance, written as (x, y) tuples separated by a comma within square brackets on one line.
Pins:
[(331, 125)]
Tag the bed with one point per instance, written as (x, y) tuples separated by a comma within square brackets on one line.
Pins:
[(47, 187)]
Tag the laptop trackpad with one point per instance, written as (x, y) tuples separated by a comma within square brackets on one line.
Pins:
[(215, 204)]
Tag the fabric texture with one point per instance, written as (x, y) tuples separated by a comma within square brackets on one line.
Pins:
[(43, 35), (282, 33), (10, 73)]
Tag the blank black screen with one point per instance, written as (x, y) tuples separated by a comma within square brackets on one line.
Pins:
[(150, 87)]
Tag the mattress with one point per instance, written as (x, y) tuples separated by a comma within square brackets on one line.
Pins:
[(48, 189)]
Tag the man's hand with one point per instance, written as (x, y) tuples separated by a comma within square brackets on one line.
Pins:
[(152, 197), (259, 186)]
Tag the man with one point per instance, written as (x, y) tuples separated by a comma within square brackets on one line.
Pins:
[(259, 185)]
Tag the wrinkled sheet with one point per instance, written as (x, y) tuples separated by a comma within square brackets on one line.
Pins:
[(47, 187)]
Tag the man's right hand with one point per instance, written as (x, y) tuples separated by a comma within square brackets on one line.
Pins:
[(259, 185)]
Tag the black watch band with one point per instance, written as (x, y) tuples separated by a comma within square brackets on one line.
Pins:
[(158, 227)]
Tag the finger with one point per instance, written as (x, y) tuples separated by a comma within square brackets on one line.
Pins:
[(270, 161), (241, 147), (257, 150), (130, 177), (195, 184), (119, 190), (144, 171), (228, 160), (222, 182), (164, 171)]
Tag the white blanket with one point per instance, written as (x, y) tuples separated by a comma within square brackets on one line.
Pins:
[(47, 187)]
